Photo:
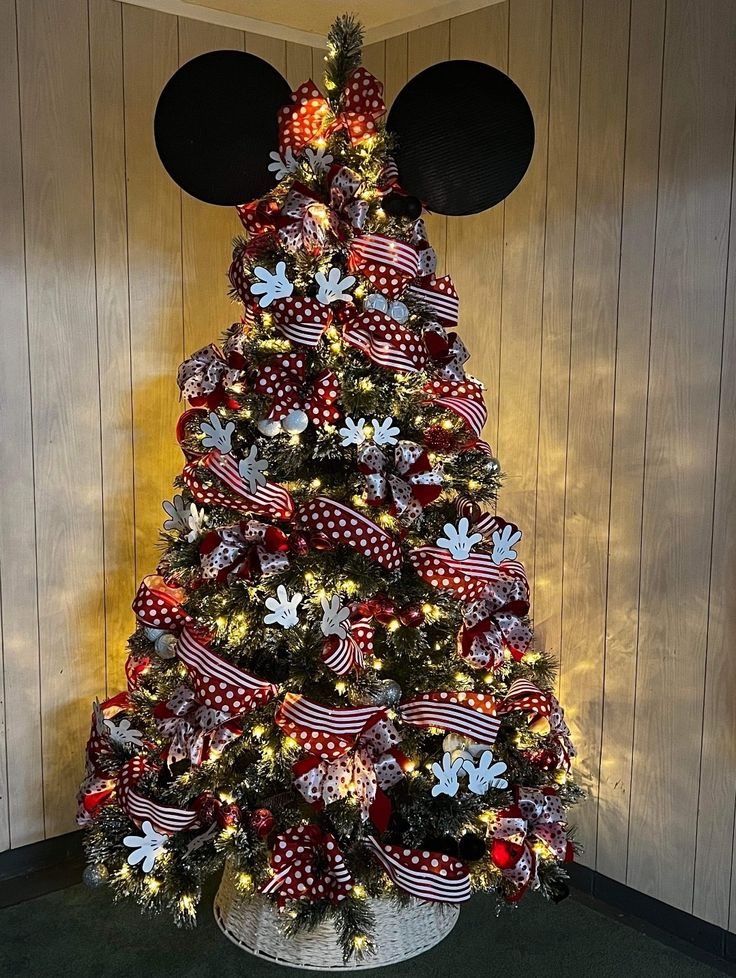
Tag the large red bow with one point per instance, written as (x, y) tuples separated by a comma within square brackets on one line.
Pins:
[(283, 379), (246, 549), (416, 483), (308, 865), (525, 696), (493, 623), (100, 778), (207, 376), (197, 732), (369, 765), (535, 821), (309, 115)]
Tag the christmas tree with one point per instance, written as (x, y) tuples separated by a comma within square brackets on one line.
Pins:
[(332, 683)]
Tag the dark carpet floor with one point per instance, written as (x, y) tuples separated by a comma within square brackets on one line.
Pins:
[(80, 934)]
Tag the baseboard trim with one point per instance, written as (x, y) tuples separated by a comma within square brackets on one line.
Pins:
[(676, 927), (54, 864), (42, 867)]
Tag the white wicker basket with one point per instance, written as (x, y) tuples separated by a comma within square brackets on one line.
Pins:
[(254, 924)]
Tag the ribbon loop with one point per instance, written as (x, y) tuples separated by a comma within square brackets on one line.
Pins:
[(425, 875), (415, 484), (469, 714), (308, 865), (208, 374), (342, 525), (245, 550), (385, 342)]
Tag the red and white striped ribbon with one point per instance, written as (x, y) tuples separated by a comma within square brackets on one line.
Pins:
[(463, 397), (301, 319), (164, 818), (270, 500), (385, 342), (441, 297), (326, 730), (219, 684), (467, 713), (426, 875), (468, 578), (386, 263), (342, 655), (342, 525)]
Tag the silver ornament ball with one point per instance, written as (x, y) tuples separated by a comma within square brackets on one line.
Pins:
[(165, 646), (388, 693), (493, 466), (95, 875), (295, 422), (269, 428), (453, 742)]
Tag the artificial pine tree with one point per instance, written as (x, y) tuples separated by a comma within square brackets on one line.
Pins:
[(332, 682)]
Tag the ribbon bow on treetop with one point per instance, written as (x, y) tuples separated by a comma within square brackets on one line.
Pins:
[(309, 116)]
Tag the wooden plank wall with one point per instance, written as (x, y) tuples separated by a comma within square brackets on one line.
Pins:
[(599, 303)]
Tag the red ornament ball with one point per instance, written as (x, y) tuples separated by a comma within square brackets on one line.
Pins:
[(439, 438), (262, 822), (229, 815), (505, 854), (298, 544), (206, 805), (411, 615), (320, 541)]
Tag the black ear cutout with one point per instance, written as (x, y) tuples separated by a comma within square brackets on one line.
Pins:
[(464, 136), (216, 124)]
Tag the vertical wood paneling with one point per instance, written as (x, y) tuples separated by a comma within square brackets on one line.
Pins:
[(21, 777), (714, 878), (629, 431), (113, 325), (687, 331), (605, 35), (397, 53), (151, 55), (374, 59), (426, 47), (271, 49), (530, 23), (207, 230), (60, 262), (559, 253), (475, 243)]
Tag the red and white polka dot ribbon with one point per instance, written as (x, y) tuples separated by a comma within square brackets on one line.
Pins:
[(426, 875), (448, 352), (323, 730), (283, 378), (301, 319), (308, 865), (463, 397), (440, 296), (269, 500), (308, 115), (164, 818), (158, 604), (468, 578), (388, 264), (467, 713), (98, 785), (536, 819), (385, 342), (344, 654), (425, 251), (493, 623), (342, 525), (219, 684)]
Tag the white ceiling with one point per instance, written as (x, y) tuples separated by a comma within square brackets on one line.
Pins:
[(307, 21)]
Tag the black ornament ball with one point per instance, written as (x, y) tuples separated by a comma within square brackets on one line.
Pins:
[(471, 847), (446, 844), (402, 205), (216, 124), (95, 875), (559, 891)]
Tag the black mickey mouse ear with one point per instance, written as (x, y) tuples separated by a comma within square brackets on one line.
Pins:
[(464, 134), (216, 124)]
